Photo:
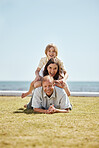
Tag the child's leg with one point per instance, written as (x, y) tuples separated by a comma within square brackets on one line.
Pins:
[(30, 90)]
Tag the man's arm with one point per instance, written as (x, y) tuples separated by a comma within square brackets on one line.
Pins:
[(39, 110), (52, 109), (62, 111), (37, 102), (64, 102)]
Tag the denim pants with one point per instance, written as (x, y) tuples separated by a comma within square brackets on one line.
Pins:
[(30, 103)]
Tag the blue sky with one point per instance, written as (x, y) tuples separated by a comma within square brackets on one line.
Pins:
[(27, 26)]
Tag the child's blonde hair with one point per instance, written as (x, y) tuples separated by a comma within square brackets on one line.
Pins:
[(49, 46)]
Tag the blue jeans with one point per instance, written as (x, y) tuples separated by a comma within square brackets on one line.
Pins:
[(30, 103)]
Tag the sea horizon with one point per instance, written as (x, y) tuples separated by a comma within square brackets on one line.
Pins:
[(74, 86)]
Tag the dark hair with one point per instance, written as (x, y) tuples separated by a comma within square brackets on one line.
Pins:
[(51, 61)]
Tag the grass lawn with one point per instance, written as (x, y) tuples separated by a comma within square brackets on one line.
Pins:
[(20, 128)]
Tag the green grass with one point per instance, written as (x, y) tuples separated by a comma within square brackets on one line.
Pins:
[(20, 128)]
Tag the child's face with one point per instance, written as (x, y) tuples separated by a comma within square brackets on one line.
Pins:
[(51, 53)]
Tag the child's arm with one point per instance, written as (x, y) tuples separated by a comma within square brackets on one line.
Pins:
[(40, 66), (37, 74), (37, 71), (65, 75)]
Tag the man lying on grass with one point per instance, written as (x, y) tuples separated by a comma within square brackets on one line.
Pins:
[(50, 99)]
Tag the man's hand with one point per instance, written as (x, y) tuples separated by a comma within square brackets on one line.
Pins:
[(52, 109)]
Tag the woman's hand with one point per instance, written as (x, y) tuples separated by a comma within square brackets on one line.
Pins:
[(60, 83)]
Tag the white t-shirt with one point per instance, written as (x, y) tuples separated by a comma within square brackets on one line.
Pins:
[(41, 71)]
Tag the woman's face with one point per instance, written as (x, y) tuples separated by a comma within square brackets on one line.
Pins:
[(52, 69)]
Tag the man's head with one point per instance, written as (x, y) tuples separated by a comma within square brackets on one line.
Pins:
[(48, 85)]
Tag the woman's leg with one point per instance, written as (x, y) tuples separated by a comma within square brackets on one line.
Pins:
[(28, 106), (36, 84), (30, 90)]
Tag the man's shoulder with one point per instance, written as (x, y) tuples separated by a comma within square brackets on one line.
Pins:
[(38, 90)]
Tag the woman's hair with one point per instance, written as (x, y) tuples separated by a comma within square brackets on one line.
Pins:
[(51, 61), (49, 46)]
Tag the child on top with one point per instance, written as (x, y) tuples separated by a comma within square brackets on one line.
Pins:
[(51, 51)]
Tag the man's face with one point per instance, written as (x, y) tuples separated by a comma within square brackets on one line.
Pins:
[(48, 87)]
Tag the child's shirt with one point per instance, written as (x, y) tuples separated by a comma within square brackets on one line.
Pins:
[(42, 62)]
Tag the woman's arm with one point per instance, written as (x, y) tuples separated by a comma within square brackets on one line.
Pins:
[(62, 84), (66, 88), (65, 75)]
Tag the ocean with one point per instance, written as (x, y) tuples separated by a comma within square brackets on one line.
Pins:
[(74, 86)]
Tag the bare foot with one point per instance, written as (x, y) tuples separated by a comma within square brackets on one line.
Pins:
[(24, 95), (25, 106)]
